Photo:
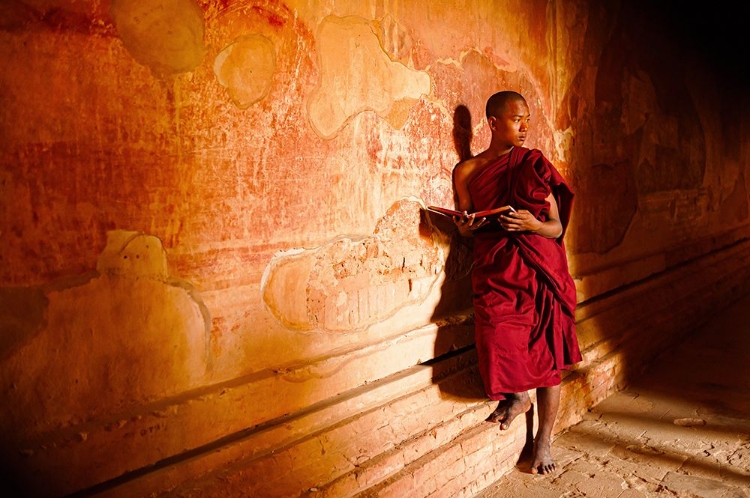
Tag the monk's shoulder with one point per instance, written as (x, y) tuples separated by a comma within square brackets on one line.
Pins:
[(538, 161), (468, 167)]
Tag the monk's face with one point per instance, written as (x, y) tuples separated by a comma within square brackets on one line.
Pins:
[(510, 126)]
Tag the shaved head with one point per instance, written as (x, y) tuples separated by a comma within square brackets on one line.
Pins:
[(498, 103)]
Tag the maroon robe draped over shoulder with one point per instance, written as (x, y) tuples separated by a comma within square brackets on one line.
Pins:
[(524, 296)]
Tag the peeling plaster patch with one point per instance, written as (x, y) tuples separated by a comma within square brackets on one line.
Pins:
[(285, 288), (164, 35), (245, 68), (351, 284), (357, 75), (396, 40)]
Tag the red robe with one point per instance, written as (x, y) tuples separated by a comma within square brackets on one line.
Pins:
[(524, 296)]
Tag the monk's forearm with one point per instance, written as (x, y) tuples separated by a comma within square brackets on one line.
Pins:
[(550, 229)]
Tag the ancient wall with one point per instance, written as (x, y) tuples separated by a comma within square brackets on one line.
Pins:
[(215, 266)]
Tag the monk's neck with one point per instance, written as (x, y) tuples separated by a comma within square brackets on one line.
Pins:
[(499, 151)]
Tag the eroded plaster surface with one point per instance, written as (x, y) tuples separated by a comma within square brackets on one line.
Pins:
[(356, 75), (350, 284), (164, 35)]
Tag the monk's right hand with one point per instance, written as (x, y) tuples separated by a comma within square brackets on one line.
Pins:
[(468, 223)]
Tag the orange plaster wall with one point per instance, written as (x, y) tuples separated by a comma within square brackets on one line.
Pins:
[(197, 193)]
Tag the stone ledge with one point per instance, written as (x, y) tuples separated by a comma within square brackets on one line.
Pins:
[(212, 417)]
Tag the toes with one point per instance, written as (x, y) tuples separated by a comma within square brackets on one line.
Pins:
[(495, 417), (543, 468), (509, 418), (546, 469), (499, 415)]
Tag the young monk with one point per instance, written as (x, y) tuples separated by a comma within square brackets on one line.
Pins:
[(524, 296)]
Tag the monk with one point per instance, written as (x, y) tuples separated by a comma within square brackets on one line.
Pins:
[(524, 295)]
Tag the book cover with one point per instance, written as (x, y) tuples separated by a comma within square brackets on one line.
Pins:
[(477, 214)]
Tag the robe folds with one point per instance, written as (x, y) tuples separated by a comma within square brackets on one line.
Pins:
[(524, 296)]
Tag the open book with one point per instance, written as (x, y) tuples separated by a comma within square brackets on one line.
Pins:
[(477, 214)]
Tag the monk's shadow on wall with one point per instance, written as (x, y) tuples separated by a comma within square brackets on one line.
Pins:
[(454, 361)]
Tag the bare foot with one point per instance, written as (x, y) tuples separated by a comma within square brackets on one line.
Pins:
[(541, 462), (510, 408)]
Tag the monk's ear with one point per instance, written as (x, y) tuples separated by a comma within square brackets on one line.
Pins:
[(492, 120)]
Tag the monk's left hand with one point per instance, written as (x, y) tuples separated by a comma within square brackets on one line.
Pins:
[(520, 221)]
